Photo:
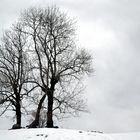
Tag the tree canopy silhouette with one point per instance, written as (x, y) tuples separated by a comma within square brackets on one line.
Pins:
[(58, 65)]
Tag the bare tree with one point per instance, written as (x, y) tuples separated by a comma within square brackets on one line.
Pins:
[(58, 61), (13, 70)]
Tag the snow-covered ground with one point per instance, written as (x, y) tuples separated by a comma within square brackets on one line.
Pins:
[(62, 134)]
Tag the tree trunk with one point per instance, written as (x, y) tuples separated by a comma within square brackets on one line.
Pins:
[(18, 108), (50, 111), (18, 114), (35, 123), (50, 103)]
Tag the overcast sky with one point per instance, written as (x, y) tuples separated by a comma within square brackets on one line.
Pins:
[(110, 29)]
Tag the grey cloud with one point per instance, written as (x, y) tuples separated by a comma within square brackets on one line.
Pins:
[(114, 91)]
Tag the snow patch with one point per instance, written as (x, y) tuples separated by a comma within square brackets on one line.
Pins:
[(62, 134)]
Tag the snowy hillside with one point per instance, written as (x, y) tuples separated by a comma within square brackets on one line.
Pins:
[(62, 134)]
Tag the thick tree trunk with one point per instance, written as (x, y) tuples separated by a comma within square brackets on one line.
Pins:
[(18, 114), (50, 103), (18, 108), (50, 111), (35, 123)]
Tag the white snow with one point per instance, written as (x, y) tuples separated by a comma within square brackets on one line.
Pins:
[(62, 134)]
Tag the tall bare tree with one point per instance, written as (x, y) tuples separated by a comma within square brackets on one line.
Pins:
[(13, 70), (58, 61)]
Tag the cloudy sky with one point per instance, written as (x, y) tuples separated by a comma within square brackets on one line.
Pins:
[(110, 29)]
